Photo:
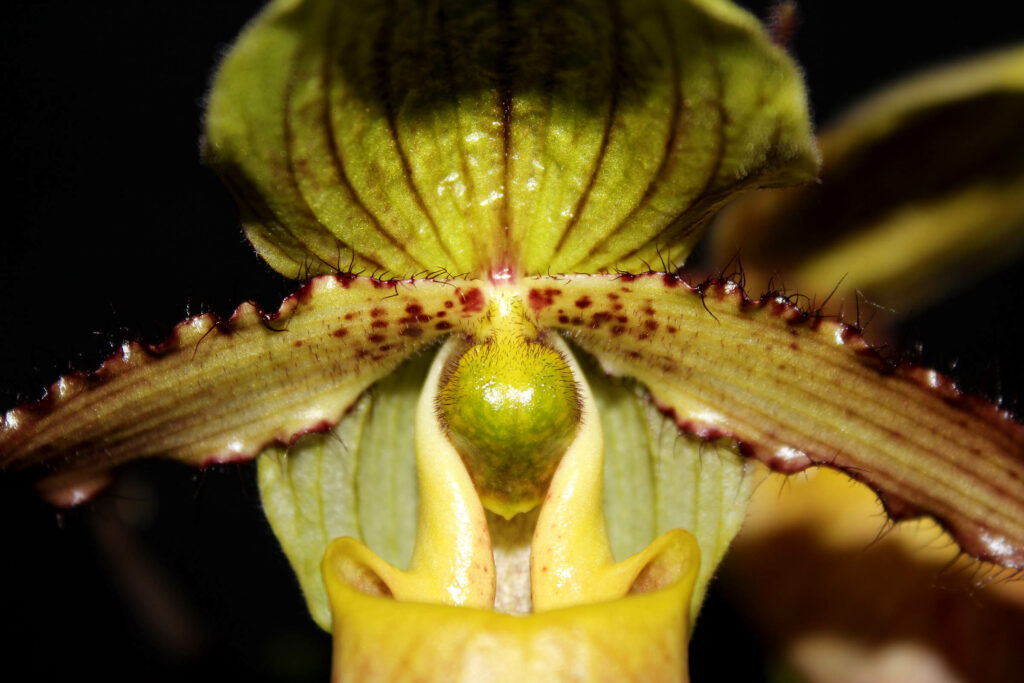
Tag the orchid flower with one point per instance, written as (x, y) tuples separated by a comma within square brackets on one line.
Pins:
[(471, 191)]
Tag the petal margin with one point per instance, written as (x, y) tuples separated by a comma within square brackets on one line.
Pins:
[(221, 390), (797, 391)]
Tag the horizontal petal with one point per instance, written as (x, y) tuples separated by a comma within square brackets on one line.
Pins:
[(922, 186), (797, 391), (467, 137), (221, 390)]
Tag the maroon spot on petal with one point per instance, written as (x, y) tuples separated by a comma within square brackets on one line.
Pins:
[(379, 324), (376, 338), (350, 315), (299, 343), (642, 336), (340, 332), (613, 296), (443, 325), (564, 319), (652, 325), (672, 329), (448, 304), (583, 302), (622, 319), (542, 298), (617, 330), (362, 353), (377, 312), (649, 310), (441, 314), (794, 346), (599, 318), (412, 331), (413, 309), (472, 301)]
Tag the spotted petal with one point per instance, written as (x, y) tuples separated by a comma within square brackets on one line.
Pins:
[(468, 137), (221, 390), (798, 391)]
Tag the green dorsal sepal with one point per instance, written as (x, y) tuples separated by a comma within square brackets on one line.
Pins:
[(510, 405)]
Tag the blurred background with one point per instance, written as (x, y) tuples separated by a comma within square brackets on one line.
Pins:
[(112, 229)]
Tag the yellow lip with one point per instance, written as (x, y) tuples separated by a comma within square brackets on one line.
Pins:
[(639, 637)]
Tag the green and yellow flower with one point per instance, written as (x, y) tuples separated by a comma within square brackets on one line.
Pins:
[(500, 433)]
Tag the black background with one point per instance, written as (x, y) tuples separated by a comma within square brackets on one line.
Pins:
[(112, 229)]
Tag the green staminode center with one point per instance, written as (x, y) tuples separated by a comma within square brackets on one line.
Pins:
[(511, 408)]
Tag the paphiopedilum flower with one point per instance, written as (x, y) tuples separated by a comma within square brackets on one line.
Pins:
[(540, 164)]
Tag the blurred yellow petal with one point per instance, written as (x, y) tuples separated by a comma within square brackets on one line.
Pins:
[(922, 186), (853, 598)]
